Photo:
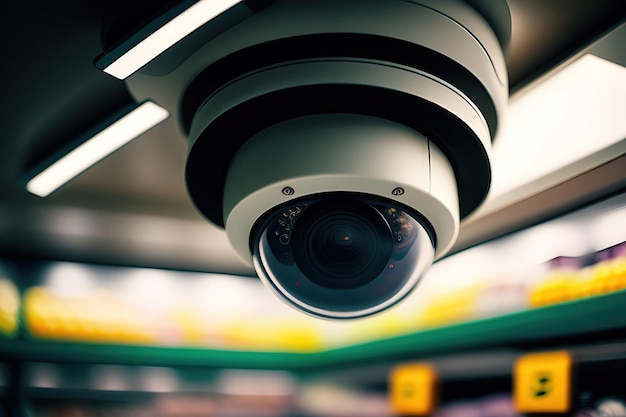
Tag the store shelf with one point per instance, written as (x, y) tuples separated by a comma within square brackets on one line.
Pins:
[(590, 315), (45, 351), (575, 318)]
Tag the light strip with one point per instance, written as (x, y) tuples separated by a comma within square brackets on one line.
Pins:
[(556, 129), (167, 35), (102, 144), (577, 112)]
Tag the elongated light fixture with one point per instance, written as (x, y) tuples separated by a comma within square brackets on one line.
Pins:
[(92, 148), (148, 44), (564, 125), (560, 124)]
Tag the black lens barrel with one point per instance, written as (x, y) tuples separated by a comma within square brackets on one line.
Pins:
[(343, 244)]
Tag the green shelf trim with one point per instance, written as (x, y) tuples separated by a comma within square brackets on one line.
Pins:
[(593, 314), (47, 351), (599, 313)]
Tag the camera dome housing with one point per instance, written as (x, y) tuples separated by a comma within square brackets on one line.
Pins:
[(325, 203), (337, 155), (348, 110)]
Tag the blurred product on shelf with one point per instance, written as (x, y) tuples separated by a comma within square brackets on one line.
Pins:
[(9, 309), (611, 407), (567, 279), (501, 405), (172, 405), (327, 399), (605, 407), (454, 307), (495, 405), (572, 279), (102, 317), (194, 310), (97, 317)]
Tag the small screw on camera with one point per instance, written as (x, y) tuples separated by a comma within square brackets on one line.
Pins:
[(397, 191), (288, 191)]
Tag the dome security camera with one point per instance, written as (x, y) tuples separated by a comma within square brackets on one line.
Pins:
[(340, 142), (339, 210)]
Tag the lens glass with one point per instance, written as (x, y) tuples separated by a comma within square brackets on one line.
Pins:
[(345, 244), (342, 256)]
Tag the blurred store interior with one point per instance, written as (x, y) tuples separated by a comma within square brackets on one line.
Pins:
[(118, 299)]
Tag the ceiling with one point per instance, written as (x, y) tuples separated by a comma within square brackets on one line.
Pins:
[(132, 208)]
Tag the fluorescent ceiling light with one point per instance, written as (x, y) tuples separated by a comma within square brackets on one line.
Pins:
[(166, 36), (567, 124), (578, 111), (96, 147)]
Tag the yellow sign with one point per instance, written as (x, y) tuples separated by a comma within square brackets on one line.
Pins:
[(413, 389), (543, 382)]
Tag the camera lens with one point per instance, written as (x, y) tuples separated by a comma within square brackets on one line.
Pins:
[(342, 255), (341, 245)]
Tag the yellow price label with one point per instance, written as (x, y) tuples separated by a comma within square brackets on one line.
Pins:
[(542, 382), (413, 389)]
